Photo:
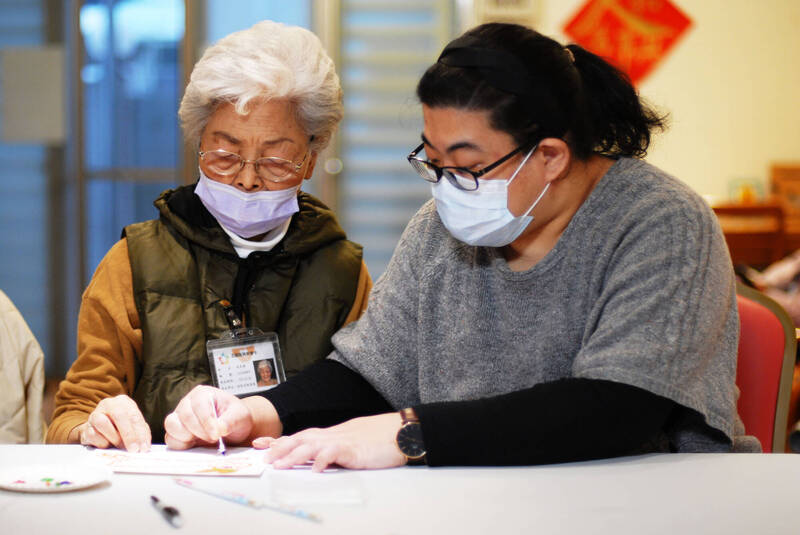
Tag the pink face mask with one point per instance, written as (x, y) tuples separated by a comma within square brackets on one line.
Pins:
[(246, 214)]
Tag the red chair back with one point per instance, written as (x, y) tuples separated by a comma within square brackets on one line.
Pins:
[(767, 346)]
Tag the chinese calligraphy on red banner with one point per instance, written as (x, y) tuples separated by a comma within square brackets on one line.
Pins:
[(634, 35)]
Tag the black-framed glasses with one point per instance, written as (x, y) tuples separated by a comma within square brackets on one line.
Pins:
[(228, 164), (460, 177)]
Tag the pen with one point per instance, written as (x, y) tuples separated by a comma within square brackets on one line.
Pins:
[(170, 514), (221, 449), (241, 499)]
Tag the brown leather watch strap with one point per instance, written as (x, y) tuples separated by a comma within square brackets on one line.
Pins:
[(408, 415)]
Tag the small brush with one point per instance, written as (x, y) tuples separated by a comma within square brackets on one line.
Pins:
[(221, 450)]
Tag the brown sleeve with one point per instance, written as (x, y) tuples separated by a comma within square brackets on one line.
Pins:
[(109, 345), (362, 295)]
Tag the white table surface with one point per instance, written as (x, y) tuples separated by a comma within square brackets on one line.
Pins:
[(653, 494)]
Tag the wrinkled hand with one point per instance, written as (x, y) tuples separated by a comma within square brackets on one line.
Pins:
[(367, 442), (193, 422), (116, 422)]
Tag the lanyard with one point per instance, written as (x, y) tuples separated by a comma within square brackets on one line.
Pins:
[(230, 314)]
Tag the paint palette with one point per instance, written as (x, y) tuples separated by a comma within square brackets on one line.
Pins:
[(52, 477)]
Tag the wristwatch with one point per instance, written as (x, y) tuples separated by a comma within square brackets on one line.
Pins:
[(409, 438)]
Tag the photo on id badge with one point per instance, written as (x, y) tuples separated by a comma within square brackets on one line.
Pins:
[(246, 364)]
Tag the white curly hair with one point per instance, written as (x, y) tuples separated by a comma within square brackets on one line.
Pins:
[(268, 60)]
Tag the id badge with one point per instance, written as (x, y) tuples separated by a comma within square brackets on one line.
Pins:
[(245, 361)]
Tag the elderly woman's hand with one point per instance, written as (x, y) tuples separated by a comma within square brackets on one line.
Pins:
[(367, 442), (193, 422), (116, 422)]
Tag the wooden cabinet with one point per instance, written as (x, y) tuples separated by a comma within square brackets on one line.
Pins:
[(785, 184), (755, 233)]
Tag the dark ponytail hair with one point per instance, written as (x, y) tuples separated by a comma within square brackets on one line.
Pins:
[(535, 88)]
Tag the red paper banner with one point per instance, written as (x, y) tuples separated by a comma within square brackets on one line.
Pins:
[(634, 35)]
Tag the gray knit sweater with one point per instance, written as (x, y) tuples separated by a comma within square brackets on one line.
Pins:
[(639, 289)]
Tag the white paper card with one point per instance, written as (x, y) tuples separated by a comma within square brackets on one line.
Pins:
[(193, 462)]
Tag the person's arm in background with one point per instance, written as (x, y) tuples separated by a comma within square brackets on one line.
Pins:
[(364, 285), (789, 300), (109, 343), (780, 274), (21, 379)]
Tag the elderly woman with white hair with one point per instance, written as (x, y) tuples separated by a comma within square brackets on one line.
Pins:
[(242, 246)]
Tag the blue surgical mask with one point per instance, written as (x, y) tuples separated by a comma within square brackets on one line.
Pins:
[(482, 217)]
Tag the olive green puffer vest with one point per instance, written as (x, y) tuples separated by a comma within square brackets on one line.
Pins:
[(183, 264)]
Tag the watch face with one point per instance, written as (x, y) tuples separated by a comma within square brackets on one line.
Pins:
[(409, 440)]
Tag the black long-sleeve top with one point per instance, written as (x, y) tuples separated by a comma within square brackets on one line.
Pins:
[(566, 420)]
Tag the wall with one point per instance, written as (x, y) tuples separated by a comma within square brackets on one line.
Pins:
[(24, 185), (731, 87)]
